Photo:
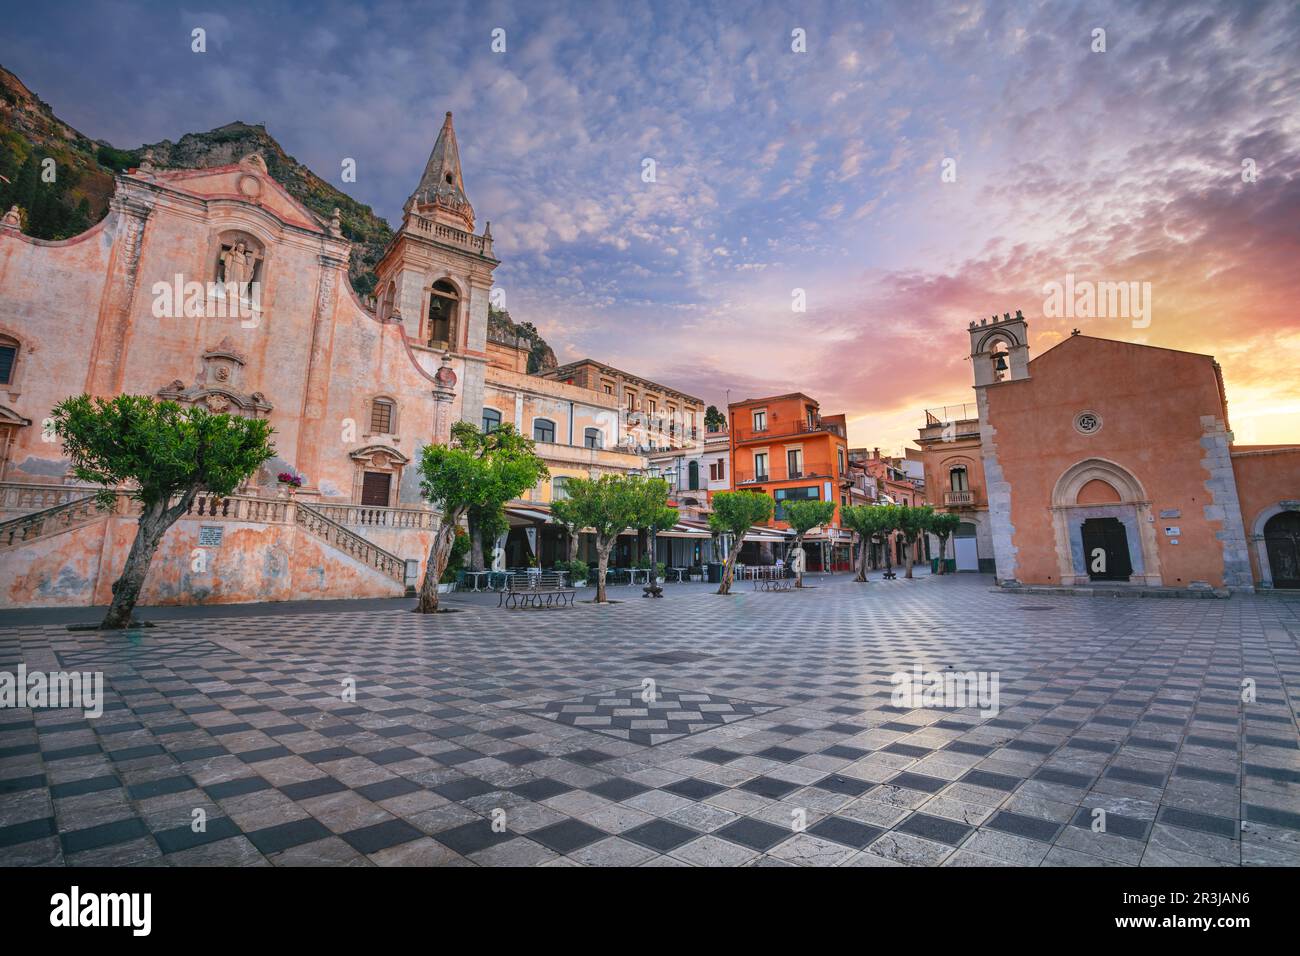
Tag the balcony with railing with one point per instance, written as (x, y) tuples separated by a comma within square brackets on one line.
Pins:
[(802, 427), (950, 422), (959, 499)]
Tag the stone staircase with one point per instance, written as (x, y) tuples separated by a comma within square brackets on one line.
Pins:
[(69, 516), (349, 542), (78, 507)]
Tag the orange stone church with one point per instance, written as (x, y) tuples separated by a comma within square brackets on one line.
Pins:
[(1108, 463)]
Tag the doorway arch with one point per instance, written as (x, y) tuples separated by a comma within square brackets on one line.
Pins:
[(1277, 542), (1107, 495)]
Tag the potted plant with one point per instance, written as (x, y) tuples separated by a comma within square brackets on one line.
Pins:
[(578, 571), (289, 481)]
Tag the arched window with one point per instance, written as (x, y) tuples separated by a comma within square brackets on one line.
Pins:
[(444, 307), (958, 479), (386, 307), (693, 476), (383, 418), (8, 359), (543, 430), (491, 420), (592, 438)]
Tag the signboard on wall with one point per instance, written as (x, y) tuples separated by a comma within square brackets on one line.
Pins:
[(210, 535)]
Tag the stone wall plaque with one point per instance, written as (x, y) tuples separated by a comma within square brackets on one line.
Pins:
[(210, 535)]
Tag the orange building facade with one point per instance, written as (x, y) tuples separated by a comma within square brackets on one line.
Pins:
[(782, 446), (1103, 461)]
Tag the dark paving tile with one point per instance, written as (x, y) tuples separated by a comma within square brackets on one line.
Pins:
[(693, 789), (539, 790), (935, 828), (567, 835), (387, 789), (849, 832), (660, 835), (90, 785), (105, 834), (306, 789), (184, 837), (284, 836), (1113, 823), (16, 833), (752, 833), (471, 837), (160, 788), (236, 788), (994, 781), (1191, 820), (380, 836), (918, 781), (617, 789), (1017, 824), (850, 786), (769, 787)]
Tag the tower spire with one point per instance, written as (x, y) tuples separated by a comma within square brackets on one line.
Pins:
[(441, 190)]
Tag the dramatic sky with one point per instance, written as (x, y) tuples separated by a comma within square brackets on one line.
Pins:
[(778, 170)]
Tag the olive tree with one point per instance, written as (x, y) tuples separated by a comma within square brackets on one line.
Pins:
[(913, 523), (944, 524), (802, 517), (867, 521), (166, 454), (734, 513), (474, 470), (609, 505)]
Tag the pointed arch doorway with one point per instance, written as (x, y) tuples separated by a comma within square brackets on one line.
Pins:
[(1100, 515)]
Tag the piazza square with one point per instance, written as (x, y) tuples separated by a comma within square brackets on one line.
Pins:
[(1128, 706)]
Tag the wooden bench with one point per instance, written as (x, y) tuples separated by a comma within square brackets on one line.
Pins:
[(546, 589)]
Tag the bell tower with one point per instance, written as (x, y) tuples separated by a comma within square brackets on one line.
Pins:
[(436, 275), (999, 349)]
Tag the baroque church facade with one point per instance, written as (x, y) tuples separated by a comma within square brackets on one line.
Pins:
[(215, 287)]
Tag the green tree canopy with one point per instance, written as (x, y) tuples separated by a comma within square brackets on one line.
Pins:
[(474, 470), (868, 521), (803, 516), (165, 454), (734, 513), (714, 420), (609, 505)]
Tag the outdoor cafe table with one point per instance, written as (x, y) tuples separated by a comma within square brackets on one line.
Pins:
[(476, 575), (681, 573)]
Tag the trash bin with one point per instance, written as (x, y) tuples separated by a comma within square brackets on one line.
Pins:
[(715, 573), (934, 565)]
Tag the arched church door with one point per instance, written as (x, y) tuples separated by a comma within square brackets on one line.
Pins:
[(1105, 549), (1282, 541)]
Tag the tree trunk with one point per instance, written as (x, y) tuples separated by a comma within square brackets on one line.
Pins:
[(439, 552), (573, 546), (155, 519), (910, 552), (475, 544), (602, 565), (943, 551), (654, 558), (729, 568), (864, 552), (794, 546)]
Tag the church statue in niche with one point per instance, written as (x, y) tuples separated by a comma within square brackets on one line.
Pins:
[(239, 264)]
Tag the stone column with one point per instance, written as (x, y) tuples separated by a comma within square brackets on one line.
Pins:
[(316, 391), (108, 356)]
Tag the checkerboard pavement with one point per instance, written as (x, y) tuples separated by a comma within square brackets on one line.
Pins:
[(777, 708)]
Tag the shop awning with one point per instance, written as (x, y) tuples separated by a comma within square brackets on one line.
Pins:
[(519, 517), (686, 531)]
